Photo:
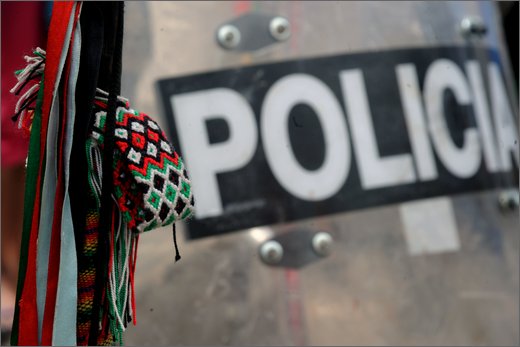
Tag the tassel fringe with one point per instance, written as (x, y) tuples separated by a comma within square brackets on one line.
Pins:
[(24, 109), (122, 259)]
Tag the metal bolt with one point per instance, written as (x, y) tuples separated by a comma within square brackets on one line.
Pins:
[(271, 252), (280, 29), (473, 26), (509, 199), (228, 36), (322, 244)]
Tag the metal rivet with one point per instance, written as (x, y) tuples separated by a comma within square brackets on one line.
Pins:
[(228, 36), (322, 244), (271, 252), (280, 29), (473, 26), (509, 199)]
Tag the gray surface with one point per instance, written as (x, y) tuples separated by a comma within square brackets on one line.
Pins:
[(370, 291)]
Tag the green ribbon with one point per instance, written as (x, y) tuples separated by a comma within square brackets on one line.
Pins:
[(31, 178)]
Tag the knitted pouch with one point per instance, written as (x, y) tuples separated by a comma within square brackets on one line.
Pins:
[(151, 185)]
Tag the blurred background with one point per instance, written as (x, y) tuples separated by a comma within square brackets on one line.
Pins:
[(354, 167)]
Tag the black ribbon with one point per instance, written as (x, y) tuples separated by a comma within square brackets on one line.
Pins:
[(112, 51)]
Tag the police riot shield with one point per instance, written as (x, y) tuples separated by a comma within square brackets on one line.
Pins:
[(354, 167)]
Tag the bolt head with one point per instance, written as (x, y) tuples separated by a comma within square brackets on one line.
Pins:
[(473, 26), (322, 244), (271, 252), (228, 36), (508, 200), (280, 29)]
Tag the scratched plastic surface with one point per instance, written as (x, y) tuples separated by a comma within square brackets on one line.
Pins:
[(373, 289)]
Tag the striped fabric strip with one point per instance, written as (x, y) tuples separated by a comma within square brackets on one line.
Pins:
[(57, 237), (88, 249), (25, 324)]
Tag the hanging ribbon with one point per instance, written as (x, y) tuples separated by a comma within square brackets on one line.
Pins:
[(83, 203), (25, 324), (58, 234), (64, 333), (49, 194), (81, 228), (107, 205)]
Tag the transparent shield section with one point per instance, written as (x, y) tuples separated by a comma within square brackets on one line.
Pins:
[(426, 269)]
